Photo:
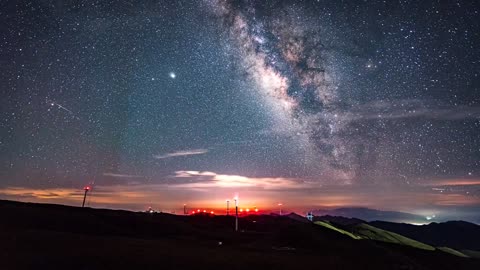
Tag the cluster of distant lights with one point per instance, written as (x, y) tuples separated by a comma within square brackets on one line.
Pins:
[(229, 211), (241, 211)]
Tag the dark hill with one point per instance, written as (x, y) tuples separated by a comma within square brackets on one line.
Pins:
[(41, 236), (339, 220), (297, 217), (455, 234), (371, 214)]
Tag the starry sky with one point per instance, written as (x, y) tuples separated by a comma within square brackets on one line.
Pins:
[(315, 104)]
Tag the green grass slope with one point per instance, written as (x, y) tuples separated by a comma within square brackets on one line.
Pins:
[(452, 251), (369, 232), (365, 231), (471, 253), (327, 224)]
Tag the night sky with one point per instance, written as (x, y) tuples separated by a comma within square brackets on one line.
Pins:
[(315, 104)]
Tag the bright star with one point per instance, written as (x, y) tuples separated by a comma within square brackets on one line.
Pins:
[(172, 75)]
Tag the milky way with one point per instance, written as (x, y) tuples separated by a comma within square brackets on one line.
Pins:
[(284, 52), (298, 62)]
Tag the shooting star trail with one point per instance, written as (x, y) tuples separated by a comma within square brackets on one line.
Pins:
[(60, 106)]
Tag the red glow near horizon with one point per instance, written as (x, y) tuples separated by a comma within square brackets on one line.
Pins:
[(113, 197)]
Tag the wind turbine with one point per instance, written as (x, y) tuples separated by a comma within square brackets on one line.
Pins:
[(236, 214), (86, 188)]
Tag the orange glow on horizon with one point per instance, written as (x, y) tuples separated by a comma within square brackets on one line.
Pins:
[(137, 197), (455, 182)]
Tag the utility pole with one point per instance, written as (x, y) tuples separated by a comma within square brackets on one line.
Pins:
[(184, 209), (280, 205), (87, 188), (236, 214)]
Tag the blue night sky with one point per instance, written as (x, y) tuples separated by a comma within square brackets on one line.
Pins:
[(315, 104)]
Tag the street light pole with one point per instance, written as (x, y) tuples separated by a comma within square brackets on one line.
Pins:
[(236, 214), (87, 188), (280, 205), (184, 209)]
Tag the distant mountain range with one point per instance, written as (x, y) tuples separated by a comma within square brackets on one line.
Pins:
[(368, 214), (454, 234)]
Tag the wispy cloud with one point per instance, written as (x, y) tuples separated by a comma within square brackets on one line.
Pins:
[(205, 179), (182, 153), (452, 182), (48, 193), (118, 175)]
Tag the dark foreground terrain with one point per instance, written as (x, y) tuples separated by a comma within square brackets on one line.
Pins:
[(37, 236)]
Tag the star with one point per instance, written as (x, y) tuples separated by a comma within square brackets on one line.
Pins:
[(172, 75)]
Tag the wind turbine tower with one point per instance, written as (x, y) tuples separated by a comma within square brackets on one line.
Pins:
[(86, 188)]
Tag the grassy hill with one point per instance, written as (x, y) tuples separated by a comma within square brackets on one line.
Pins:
[(40, 236), (373, 233), (358, 230), (459, 235), (327, 224), (365, 231), (453, 251)]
